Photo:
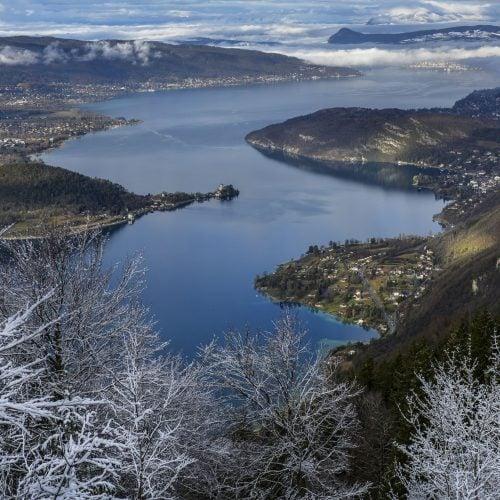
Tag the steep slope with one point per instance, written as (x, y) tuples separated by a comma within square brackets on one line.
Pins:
[(469, 281), (470, 278), (484, 103), (358, 134)]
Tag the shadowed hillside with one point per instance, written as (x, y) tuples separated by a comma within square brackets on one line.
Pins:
[(387, 135), (35, 190)]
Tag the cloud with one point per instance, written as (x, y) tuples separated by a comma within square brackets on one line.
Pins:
[(11, 56), (383, 57), (433, 11), (54, 54), (184, 14), (473, 10), (136, 52)]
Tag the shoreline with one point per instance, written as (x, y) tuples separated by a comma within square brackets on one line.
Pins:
[(338, 166), (96, 225), (190, 84), (359, 283)]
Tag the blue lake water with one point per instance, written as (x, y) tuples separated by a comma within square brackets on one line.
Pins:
[(202, 260)]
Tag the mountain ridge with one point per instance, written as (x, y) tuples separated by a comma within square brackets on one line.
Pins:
[(464, 33)]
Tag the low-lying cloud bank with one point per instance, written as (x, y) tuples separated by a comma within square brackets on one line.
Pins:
[(383, 57), (136, 52), (434, 11)]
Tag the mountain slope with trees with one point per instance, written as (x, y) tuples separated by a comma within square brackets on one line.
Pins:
[(350, 135)]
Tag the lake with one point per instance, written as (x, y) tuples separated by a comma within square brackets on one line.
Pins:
[(202, 260)]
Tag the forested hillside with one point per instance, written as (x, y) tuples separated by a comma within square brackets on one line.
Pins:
[(35, 190)]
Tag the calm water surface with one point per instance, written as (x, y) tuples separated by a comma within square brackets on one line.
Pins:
[(202, 260)]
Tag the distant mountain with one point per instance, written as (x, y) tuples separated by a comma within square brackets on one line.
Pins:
[(53, 60), (461, 33)]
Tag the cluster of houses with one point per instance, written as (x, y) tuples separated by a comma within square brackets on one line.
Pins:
[(362, 283), (31, 132)]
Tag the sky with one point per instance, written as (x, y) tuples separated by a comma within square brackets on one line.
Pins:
[(295, 27), (272, 20)]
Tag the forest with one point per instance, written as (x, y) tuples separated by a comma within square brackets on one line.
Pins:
[(94, 405), (32, 187)]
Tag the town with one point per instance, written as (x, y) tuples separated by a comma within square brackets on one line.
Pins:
[(29, 132), (360, 283), (464, 177)]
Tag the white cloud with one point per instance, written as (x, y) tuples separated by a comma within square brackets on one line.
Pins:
[(434, 11), (11, 56), (54, 54), (136, 52), (473, 10), (383, 57), (183, 14)]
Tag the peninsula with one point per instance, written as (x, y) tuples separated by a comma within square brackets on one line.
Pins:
[(458, 147)]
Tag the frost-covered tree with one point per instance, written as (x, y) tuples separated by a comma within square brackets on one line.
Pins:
[(290, 424), (19, 404), (48, 449), (79, 325), (85, 313), (163, 415), (454, 451), (105, 410), (78, 460)]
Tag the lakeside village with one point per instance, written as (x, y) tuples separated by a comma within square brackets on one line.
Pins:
[(54, 96), (29, 132), (360, 283), (465, 177), (442, 66)]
